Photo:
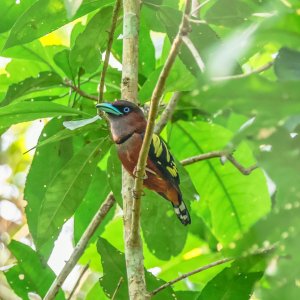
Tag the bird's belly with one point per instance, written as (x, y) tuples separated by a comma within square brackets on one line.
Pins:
[(129, 152)]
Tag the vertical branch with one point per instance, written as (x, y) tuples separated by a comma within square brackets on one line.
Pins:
[(156, 95), (133, 247), (108, 49)]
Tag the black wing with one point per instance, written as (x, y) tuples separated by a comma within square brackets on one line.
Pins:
[(163, 159)]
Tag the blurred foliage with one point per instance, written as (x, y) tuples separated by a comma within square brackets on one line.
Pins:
[(46, 43)]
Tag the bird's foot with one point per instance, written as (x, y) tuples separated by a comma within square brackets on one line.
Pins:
[(134, 173)]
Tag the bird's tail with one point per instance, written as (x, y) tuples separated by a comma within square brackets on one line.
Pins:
[(182, 213)]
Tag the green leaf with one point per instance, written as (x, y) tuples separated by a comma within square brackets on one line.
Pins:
[(90, 205), (174, 81), (114, 170), (62, 60), (229, 201), (45, 16), (65, 191), (30, 274), (202, 36), (235, 282), (228, 13), (113, 262), (43, 81), (11, 11), (51, 158), (89, 44), (287, 64), (164, 235), (96, 292), (28, 111)]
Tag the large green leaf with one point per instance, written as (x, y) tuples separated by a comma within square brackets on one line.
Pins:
[(229, 201), (30, 274), (236, 282), (65, 191), (28, 111), (51, 158), (164, 235), (114, 170), (11, 11), (45, 16), (202, 37), (89, 44), (113, 262), (43, 81), (228, 13), (96, 194)]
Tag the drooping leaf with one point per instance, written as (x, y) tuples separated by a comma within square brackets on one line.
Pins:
[(30, 274), (96, 194), (236, 282), (229, 201), (89, 44), (44, 80), (45, 16), (202, 37), (113, 262), (65, 191), (28, 111), (11, 11), (228, 13), (63, 61), (164, 235), (114, 171)]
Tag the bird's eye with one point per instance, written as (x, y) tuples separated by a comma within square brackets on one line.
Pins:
[(126, 109)]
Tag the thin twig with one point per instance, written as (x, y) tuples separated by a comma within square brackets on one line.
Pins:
[(168, 113), (239, 76), (117, 288), (214, 154), (243, 170), (80, 247), (194, 52), (78, 281), (183, 276), (196, 9), (156, 95), (108, 48), (68, 83)]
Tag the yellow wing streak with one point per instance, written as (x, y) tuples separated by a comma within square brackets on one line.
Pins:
[(157, 145)]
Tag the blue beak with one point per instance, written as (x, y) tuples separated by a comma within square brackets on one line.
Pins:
[(109, 108)]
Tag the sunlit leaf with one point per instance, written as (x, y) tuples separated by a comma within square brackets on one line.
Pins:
[(45, 16), (89, 44), (30, 274), (65, 191), (28, 111), (43, 81)]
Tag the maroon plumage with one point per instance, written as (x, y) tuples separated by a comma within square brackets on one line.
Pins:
[(128, 125)]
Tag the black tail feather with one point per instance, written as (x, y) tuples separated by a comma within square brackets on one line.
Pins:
[(182, 213)]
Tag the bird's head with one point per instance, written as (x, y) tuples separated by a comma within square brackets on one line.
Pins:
[(125, 118)]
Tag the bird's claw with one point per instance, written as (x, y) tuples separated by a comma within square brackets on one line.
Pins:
[(135, 175)]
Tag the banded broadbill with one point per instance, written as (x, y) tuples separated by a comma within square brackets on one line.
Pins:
[(128, 125)]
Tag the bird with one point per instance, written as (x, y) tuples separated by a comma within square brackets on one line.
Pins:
[(127, 124)]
